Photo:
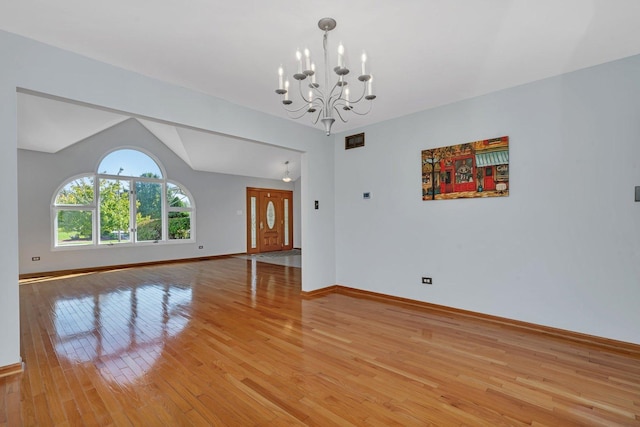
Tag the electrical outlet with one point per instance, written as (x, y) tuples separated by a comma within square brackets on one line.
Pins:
[(427, 281), (200, 247), (35, 258)]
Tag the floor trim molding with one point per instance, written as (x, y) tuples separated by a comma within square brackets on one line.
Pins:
[(14, 369), (321, 292), (58, 273), (599, 342)]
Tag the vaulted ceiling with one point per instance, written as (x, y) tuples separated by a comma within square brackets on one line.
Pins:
[(423, 53), (49, 125)]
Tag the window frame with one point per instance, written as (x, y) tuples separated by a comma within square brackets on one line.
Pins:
[(94, 207), (191, 209), (55, 208)]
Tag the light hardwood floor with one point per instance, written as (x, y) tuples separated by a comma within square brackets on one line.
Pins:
[(231, 342)]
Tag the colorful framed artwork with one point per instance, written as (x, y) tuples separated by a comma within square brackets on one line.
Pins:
[(470, 170)]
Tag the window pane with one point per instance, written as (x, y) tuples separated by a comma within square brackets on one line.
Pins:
[(149, 211), (176, 197), (76, 192), (179, 225), (114, 211), (74, 228), (129, 163)]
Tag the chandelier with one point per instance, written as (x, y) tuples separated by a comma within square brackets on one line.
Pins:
[(286, 177), (320, 102)]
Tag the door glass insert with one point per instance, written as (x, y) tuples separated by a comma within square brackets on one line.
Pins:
[(286, 222), (253, 224), (271, 215)]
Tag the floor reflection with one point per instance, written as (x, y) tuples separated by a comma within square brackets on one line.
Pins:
[(254, 281), (291, 258), (121, 331)]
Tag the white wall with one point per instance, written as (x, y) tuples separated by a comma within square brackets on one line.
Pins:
[(562, 250), (34, 66), (218, 200)]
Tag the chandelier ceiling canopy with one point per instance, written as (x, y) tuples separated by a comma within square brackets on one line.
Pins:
[(323, 102)]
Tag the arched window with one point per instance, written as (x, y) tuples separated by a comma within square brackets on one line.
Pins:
[(128, 201)]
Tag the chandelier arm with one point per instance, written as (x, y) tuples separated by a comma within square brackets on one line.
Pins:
[(335, 97), (332, 94), (320, 102), (302, 93), (317, 116), (319, 96), (295, 110), (364, 92), (350, 104), (341, 102), (340, 115), (298, 116), (318, 93), (363, 113)]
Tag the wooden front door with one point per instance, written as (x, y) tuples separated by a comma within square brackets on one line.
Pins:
[(269, 220)]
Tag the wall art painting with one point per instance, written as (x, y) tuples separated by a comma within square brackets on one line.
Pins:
[(470, 170)]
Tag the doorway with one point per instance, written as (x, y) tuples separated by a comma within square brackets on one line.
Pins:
[(269, 220)]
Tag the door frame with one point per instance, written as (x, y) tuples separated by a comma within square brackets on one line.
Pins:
[(255, 191)]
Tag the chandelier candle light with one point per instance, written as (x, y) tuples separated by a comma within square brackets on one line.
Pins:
[(319, 99)]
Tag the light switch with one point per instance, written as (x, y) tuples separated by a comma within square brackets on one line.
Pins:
[(638, 194)]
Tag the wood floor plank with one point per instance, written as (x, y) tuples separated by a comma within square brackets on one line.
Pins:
[(227, 342)]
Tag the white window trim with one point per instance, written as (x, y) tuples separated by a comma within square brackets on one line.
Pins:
[(95, 208)]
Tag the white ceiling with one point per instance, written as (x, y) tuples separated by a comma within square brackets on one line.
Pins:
[(423, 53)]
